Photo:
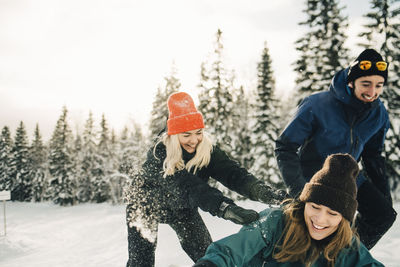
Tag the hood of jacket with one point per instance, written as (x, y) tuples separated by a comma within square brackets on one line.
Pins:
[(342, 92)]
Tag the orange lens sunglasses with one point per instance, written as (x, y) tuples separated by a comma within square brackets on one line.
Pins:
[(367, 64)]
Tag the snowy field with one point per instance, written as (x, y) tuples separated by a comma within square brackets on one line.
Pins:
[(43, 234)]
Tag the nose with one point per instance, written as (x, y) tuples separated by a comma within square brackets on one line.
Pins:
[(320, 218), (372, 90), (193, 139)]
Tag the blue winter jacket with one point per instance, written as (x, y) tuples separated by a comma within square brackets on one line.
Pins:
[(253, 246), (330, 122)]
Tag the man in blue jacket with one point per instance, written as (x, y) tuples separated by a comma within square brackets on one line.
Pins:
[(349, 118)]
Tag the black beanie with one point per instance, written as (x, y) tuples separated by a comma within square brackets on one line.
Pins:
[(334, 185), (368, 54)]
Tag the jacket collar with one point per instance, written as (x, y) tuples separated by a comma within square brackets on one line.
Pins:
[(186, 156), (344, 94)]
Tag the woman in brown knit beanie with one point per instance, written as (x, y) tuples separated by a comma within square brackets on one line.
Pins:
[(314, 230)]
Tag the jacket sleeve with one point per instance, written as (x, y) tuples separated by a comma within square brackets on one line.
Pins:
[(235, 250), (239, 249), (374, 162), (296, 134), (201, 194), (229, 172), (358, 256)]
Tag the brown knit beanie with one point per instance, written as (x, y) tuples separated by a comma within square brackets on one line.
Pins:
[(334, 185)]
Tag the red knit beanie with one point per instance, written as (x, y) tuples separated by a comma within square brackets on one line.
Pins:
[(183, 115)]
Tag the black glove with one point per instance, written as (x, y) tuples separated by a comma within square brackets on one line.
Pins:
[(204, 263), (264, 193), (238, 214)]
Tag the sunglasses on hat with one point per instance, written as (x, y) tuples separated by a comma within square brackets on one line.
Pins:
[(367, 64)]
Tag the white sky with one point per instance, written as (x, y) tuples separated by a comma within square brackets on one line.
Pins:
[(110, 56)]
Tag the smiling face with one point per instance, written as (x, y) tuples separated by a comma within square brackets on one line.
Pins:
[(321, 221), (368, 88), (191, 139)]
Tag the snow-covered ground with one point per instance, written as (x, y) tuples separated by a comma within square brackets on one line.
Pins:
[(44, 234)]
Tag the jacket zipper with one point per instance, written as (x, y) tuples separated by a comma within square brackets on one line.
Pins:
[(351, 136)]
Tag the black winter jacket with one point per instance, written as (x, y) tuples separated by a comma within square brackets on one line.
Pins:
[(164, 199)]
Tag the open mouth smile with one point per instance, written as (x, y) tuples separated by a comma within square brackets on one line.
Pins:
[(317, 226), (369, 98)]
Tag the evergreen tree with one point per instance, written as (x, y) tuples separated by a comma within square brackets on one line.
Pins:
[(217, 104), (62, 181), (322, 51), (266, 123), (133, 148), (215, 97), (78, 170), (104, 143), (104, 165), (159, 113), (38, 156), (88, 162), (383, 33), (241, 140), (21, 182), (6, 145), (132, 153)]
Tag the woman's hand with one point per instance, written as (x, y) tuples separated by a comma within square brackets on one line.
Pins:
[(264, 193), (238, 214)]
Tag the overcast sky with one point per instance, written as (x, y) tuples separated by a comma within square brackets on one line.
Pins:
[(110, 56)]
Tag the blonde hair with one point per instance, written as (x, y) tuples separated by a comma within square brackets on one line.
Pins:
[(173, 161), (297, 244)]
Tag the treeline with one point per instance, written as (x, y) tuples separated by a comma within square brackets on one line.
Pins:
[(94, 166)]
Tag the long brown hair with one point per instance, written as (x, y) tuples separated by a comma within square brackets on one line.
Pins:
[(296, 244)]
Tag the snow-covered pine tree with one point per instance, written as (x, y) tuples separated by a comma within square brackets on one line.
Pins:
[(216, 103), (133, 148), (265, 123), (159, 112), (77, 162), (38, 162), (6, 145), (215, 97), (117, 179), (322, 51), (382, 32), (126, 158), (104, 165), (131, 155), (21, 182), (241, 140), (88, 161), (62, 188)]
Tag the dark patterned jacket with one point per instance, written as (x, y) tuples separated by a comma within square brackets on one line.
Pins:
[(163, 199)]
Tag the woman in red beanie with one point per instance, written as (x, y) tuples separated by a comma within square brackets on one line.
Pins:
[(172, 185)]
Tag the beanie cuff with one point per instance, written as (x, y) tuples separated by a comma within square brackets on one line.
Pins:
[(334, 199), (184, 123)]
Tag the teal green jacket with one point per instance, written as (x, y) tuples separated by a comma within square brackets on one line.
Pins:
[(253, 246)]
